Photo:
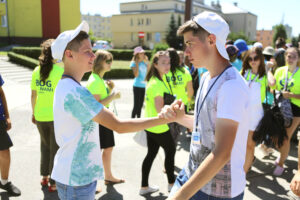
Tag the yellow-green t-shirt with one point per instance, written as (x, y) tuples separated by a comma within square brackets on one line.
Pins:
[(293, 84), (155, 88), (96, 85), (262, 81), (43, 110), (179, 86)]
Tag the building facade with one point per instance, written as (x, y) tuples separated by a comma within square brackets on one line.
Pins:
[(240, 20), (265, 37), (151, 18), (101, 26), (30, 22)]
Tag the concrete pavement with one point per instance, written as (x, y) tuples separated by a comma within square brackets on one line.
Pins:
[(127, 155)]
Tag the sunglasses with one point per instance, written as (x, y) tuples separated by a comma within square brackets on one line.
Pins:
[(256, 58), (108, 61)]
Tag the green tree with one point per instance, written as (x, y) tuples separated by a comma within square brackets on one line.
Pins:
[(279, 31), (240, 35), (171, 37), (295, 42)]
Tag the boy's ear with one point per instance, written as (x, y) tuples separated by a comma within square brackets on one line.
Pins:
[(68, 53), (212, 39)]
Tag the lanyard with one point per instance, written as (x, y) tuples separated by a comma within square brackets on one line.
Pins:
[(198, 99), (68, 76), (288, 80), (167, 87), (251, 76), (102, 81)]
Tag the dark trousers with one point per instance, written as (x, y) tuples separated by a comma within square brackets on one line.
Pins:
[(154, 141), (138, 100), (48, 147)]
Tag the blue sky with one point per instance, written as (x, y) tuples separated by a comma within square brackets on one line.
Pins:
[(269, 12)]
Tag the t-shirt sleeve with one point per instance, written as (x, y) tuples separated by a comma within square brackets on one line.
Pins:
[(132, 64), (82, 105), (33, 80), (94, 87), (232, 100)]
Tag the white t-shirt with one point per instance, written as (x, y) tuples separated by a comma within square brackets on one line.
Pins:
[(229, 99), (78, 159)]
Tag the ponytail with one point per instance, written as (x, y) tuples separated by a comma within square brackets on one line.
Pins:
[(45, 59)]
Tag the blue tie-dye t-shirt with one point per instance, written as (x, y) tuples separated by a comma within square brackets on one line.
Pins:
[(78, 159)]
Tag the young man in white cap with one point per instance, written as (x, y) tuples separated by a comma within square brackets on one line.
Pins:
[(220, 124), (77, 163)]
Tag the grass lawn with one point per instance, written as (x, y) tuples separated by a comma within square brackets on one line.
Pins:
[(3, 53), (120, 64)]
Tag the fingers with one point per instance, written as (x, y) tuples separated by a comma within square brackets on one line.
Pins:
[(167, 113), (295, 187)]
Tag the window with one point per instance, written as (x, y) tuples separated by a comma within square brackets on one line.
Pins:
[(132, 37), (182, 7), (3, 21), (148, 21), (149, 36), (143, 6), (131, 22), (175, 6)]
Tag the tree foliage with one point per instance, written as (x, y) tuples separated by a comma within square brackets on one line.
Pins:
[(279, 31), (172, 39), (240, 35)]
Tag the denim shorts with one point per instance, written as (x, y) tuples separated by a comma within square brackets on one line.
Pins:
[(182, 179), (85, 192)]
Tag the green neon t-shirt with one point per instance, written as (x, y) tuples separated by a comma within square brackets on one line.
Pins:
[(96, 85), (262, 81), (293, 84), (155, 88), (179, 86), (43, 110)]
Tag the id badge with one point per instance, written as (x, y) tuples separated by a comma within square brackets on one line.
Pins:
[(196, 138)]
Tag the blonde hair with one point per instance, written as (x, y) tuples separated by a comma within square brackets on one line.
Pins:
[(101, 57)]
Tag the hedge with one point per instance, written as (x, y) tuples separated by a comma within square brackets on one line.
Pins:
[(119, 54), (23, 60), (32, 63)]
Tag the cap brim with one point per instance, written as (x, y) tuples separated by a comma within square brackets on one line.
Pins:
[(222, 50)]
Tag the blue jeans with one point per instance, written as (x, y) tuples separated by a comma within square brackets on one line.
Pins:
[(85, 192), (182, 179)]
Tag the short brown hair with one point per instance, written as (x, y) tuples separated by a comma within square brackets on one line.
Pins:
[(194, 27), (101, 57), (74, 44)]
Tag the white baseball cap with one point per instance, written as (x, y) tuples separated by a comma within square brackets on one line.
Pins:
[(214, 24), (59, 45)]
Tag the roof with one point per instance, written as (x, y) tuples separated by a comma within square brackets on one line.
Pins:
[(229, 8)]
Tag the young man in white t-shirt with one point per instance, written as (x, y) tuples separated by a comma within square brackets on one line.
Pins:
[(220, 123), (77, 163)]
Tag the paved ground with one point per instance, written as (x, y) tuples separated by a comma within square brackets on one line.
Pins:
[(127, 155)]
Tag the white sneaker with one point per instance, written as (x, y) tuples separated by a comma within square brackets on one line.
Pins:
[(149, 190)]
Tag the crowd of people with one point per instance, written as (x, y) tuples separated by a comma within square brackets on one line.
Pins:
[(229, 86)]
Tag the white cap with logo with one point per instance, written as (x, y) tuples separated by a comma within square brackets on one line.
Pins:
[(216, 25), (59, 45)]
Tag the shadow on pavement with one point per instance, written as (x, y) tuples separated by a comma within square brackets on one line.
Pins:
[(49, 195), (160, 196), (183, 142), (111, 194), (262, 182)]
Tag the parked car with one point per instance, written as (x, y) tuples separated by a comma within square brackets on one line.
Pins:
[(101, 44)]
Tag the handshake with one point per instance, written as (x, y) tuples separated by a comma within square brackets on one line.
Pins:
[(173, 112)]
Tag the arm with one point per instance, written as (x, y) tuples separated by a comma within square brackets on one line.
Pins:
[(135, 69), (225, 135), (271, 79), (109, 120), (295, 183), (159, 103), (7, 118), (289, 95), (108, 99), (33, 102)]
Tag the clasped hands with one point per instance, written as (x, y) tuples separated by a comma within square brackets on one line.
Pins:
[(173, 112)]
